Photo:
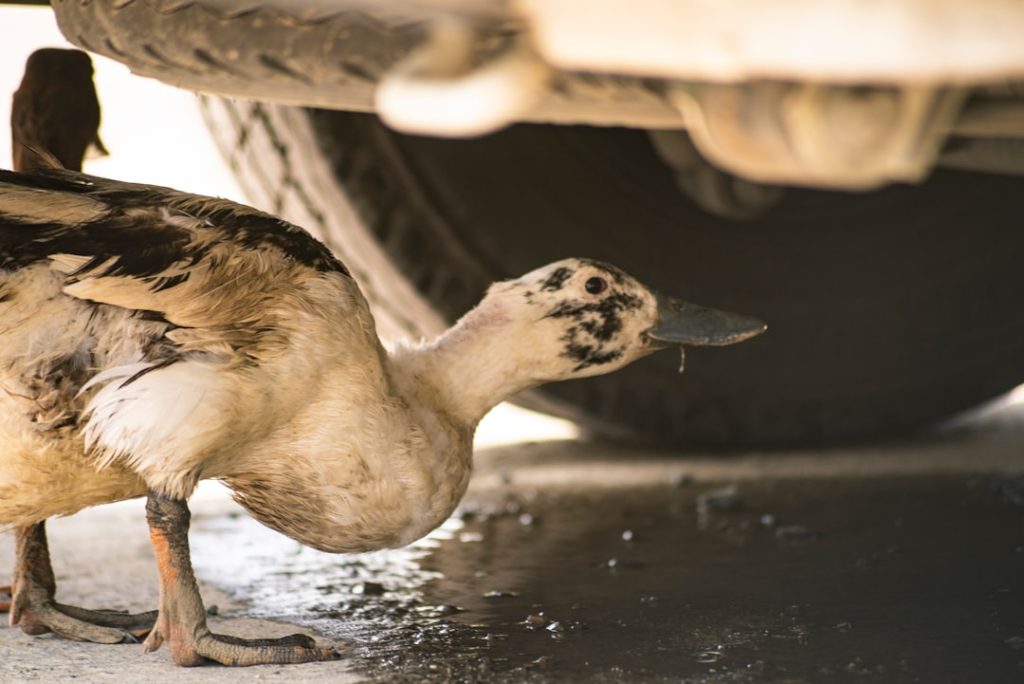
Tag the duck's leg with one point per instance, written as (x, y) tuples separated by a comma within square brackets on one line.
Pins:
[(182, 620), (34, 609)]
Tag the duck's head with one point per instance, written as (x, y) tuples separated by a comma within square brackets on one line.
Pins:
[(571, 319), (577, 318)]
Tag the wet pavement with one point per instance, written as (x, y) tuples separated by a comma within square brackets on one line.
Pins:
[(592, 563), (870, 579)]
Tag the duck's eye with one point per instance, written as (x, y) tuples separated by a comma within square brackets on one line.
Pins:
[(595, 285)]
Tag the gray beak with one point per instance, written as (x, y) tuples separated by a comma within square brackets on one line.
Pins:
[(688, 324)]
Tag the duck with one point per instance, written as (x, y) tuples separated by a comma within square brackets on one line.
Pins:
[(151, 339)]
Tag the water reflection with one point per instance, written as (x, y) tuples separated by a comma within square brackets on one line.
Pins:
[(890, 579)]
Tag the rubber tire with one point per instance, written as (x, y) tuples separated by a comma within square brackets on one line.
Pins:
[(887, 311), (322, 54), (313, 55)]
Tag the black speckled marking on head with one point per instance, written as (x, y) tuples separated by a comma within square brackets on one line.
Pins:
[(587, 355), (616, 273), (557, 279), (599, 322), (606, 319), (133, 231)]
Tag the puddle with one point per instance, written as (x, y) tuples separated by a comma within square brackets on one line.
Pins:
[(888, 580)]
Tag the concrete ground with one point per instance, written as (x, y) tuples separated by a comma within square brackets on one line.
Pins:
[(573, 561), (102, 558)]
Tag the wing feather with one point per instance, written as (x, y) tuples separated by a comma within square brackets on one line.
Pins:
[(196, 260)]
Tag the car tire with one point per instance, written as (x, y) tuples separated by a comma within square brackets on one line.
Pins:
[(888, 311)]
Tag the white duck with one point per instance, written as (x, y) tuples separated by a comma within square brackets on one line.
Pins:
[(150, 339)]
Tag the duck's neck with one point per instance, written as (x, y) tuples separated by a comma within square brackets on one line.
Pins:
[(466, 371)]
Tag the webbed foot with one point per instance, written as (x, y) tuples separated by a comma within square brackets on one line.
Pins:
[(182, 620), (34, 609), (81, 624), (191, 649)]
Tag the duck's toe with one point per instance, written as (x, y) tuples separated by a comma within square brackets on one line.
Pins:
[(135, 625), (35, 612), (228, 650), (80, 624), (196, 645), (34, 609)]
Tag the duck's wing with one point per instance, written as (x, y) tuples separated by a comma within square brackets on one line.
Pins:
[(194, 259), (247, 298)]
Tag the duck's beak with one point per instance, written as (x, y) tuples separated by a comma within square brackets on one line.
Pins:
[(683, 323)]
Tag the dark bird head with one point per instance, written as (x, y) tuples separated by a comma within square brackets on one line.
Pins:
[(55, 111)]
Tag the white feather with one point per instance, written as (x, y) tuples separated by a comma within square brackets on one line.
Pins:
[(160, 424)]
